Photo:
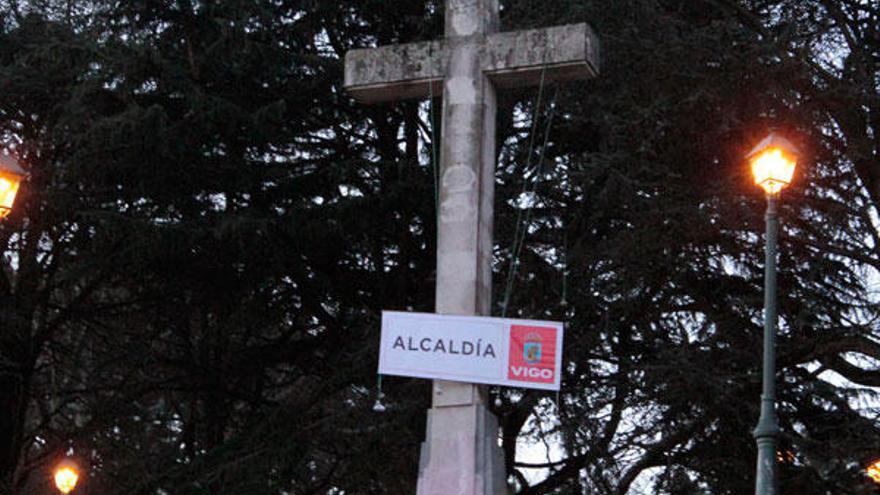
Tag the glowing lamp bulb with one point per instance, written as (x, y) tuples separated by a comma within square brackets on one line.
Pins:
[(773, 162), (8, 190), (10, 178), (873, 471), (65, 479), (773, 170)]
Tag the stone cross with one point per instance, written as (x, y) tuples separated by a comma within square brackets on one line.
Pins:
[(460, 455)]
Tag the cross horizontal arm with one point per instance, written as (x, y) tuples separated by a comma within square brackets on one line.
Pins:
[(563, 53), (395, 72), (509, 59)]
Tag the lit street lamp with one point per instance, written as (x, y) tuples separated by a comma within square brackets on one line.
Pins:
[(873, 471), (11, 175), (773, 162), (66, 476)]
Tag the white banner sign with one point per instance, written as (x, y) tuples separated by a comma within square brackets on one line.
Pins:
[(475, 349)]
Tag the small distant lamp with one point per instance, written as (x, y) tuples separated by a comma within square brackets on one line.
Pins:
[(873, 471), (11, 175), (66, 476)]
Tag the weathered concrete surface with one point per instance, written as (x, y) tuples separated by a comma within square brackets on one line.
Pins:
[(514, 59), (460, 455), (395, 72), (563, 53), (451, 445)]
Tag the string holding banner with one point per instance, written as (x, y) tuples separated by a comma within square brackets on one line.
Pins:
[(378, 406)]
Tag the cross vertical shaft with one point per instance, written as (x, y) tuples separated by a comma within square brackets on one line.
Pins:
[(467, 163), (459, 418)]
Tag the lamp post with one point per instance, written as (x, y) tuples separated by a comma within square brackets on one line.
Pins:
[(773, 162), (11, 175)]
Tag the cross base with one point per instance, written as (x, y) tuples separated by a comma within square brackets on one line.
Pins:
[(461, 455)]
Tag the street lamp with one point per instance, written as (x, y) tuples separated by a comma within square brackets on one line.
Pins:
[(873, 471), (773, 162), (11, 175), (66, 475)]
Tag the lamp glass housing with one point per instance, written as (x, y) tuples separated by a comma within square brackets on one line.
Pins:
[(9, 183), (773, 162), (65, 478), (11, 175), (873, 471), (773, 169)]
